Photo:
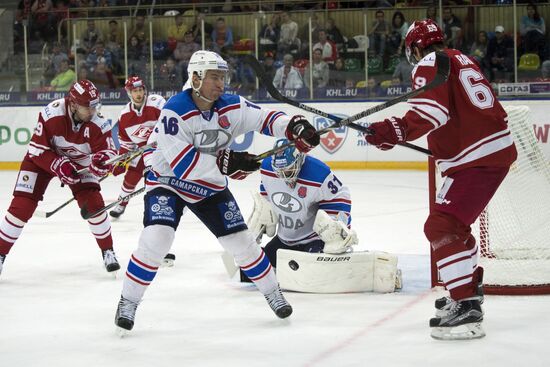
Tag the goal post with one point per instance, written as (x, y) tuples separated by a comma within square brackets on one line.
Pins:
[(513, 232)]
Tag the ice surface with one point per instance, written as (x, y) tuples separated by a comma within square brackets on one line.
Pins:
[(57, 303)]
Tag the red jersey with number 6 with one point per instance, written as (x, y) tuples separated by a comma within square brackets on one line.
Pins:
[(467, 125)]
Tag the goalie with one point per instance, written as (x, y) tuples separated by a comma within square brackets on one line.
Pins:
[(306, 209)]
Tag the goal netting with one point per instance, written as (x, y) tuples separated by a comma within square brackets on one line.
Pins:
[(513, 232)]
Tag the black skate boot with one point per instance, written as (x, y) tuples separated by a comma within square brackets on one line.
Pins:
[(125, 314), (168, 260), (443, 304), (462, 321), (2, 259), (278, 303), (118, 210), (110, 261)]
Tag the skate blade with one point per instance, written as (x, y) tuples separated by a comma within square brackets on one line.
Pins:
[(167, 263), (398, 280), (121, 332), (462, 332), (113, 274)]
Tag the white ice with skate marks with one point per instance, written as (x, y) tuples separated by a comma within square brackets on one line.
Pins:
[(57, 302)]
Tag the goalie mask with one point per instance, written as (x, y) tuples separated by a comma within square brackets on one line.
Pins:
[(288, 163)]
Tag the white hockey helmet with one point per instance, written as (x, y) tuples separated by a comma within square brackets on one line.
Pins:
[(287, 163), (201, 61)]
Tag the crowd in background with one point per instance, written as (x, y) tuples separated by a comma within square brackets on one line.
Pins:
[(337, 58)]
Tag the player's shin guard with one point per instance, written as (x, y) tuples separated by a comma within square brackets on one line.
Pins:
[(18, 214), (154, 243)]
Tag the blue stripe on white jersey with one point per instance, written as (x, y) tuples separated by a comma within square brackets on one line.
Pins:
[(314, 170), (267, 128), (184, 162)]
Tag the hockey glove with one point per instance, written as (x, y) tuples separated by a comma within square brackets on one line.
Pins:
[(236, 165), (387, 133), (98, 167), (119, 169), (65, 170), (302, 133)]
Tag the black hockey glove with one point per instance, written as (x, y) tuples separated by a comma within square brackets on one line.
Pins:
[(236, 165), (303, 133)]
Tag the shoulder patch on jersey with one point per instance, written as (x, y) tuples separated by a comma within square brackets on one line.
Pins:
[(54, 109), (314, 170), (428, 60)]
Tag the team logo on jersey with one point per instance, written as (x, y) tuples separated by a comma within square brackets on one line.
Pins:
[(286, 202), (302, 192), (334, 139), (143, 132), (73, 153), (223, 121), (231, 213), (162, 208), (211, 141)]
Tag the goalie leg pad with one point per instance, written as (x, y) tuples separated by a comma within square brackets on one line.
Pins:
[(324, 273)]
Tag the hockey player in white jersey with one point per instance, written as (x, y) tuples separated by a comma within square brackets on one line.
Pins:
[(189, 169), (307, 209)]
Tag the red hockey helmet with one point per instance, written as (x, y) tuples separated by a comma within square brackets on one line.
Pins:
[(421, 34), (84, 93), (134, 82)]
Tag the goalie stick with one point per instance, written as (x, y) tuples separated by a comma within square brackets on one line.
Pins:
[(126, 157), (442, 62)]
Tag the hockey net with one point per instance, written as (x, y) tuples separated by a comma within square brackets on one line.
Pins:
[(513, 232)]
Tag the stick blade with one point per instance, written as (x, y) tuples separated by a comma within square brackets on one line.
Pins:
[(41, 214)]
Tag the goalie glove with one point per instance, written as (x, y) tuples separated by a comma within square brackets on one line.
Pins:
[(263, 219), (337, 236)]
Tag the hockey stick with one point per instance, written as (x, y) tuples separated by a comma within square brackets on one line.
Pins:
[(442, 62), (126, 157), (87, 215)]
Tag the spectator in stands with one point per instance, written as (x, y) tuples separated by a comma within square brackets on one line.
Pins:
[(334, 34), (139, 30), (545, 71), (378, 34), (398, 33), (269, 34), (452, 28), (338, 75), (170, 77), (269, 67), (478, 51), (136, 56), (373, 88), (54, 62), (287, 76), (500, 53), (403, 71), (102, 76), (319, 71), (41, 14), (103, 10), (90, 36), (209, 45), (533, 31), (184, 50), (288, 40), (328, 48), (222, 35), (178, 29), (64, 79), (99, 55), (303, 33), (60, 13), (114, 40), (431, 13), (196, 28)]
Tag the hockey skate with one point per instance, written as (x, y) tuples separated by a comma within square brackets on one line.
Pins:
[(125, 315), (444, 304), (278, 303), (462, 321), (2, 259), (118, 210), (110, 261), (168, 261)]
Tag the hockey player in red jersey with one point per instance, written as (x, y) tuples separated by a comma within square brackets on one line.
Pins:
[(135, 124), (70, 135), (473, 148)]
